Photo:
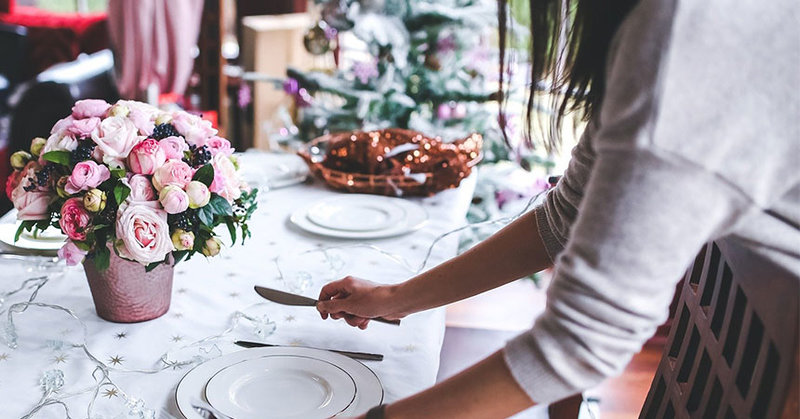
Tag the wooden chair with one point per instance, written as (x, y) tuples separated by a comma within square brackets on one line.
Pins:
[(732, 351), (733, 348)]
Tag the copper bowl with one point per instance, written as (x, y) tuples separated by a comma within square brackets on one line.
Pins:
[(410, 183)]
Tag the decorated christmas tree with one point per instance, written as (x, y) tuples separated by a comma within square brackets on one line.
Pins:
[(426, 65)]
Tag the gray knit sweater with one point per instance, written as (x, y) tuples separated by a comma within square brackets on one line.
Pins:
[(697, 139)]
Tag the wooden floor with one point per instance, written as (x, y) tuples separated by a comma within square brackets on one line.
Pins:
[(481, 325)]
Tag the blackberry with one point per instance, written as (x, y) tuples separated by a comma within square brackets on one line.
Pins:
[(194, 219), (162, 131), (83, 151), (43, 176), (109, 215), (200, 155), (180, 220)]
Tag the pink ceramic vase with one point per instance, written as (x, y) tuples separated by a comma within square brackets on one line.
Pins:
[(125, 293)]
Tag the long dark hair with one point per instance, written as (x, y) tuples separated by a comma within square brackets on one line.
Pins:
[(569, 47)]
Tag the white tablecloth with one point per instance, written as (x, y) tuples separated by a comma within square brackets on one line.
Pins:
[(206, 296)]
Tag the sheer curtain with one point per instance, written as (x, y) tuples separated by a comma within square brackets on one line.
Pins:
[(153, 42)]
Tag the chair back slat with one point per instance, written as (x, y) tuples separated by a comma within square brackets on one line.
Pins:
[(733, 349)]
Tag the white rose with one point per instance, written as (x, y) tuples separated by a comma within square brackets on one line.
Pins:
[(143, 233), (60, 142), (116, 137)]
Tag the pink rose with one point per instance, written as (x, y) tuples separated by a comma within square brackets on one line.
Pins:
[(75, 219), (226, 180), (62, 125), (30, 205), (115, 139), (174, 147), (173, 172), (195, 129), (143, 233), (142, 115), (146, 157), (88, 108), (141, 189), (71, 253), (217, 145), (86, 175), (198, 193), (84, 127), (173, 199), (12, 182), (60, 141)]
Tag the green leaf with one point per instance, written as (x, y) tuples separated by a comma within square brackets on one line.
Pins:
[(151, 266), (232, 230), (204, 175), (219, 205), (81, 245), (60, 157), (102, 258), (179, 255), (26, 226), (206, 215), (118, 173), (121, 193)]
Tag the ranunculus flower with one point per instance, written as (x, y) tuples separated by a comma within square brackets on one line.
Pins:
[(86, 175), (75, 220), (198, 193), (217, 145), (173, 172), (212, 247), (11, 183), (88, 108), (141, 189), (94, 200), (71, 253), (226, 180), (146, 157), (174, 147), (182, 239), (173, 199), (115, 138), (84, 128), (196, 130), (143, 233)]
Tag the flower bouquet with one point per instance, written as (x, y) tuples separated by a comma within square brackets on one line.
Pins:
[(131, 183)]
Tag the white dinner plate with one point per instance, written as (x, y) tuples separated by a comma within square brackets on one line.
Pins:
[(357, 213), (290, 387), (48, 240), (415, 218), (368, 389)]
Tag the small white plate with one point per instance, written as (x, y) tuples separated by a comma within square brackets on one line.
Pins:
[(369, 392), (290, 387), (357, 213), (49, 240), (415, 218)]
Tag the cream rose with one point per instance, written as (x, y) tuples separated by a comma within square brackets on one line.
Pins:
[(116, 137), (143, 233), (226, 181)]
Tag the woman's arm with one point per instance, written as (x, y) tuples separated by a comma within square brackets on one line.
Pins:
[(514, 252)]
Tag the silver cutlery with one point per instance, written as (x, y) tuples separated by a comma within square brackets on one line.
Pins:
[(355, 355), (207, 411), (287, 298)]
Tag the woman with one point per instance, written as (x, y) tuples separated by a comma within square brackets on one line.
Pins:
[(692, 137)]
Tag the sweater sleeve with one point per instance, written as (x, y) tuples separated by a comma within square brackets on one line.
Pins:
[(643, 218), (555, 216)]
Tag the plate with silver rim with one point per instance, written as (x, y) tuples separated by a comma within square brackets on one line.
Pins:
[(327, 375), (360, 216)]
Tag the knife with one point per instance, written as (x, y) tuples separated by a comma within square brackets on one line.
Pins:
[(354, 355), (287, 298)]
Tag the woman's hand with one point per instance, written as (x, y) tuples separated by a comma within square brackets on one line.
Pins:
[(357, 301)]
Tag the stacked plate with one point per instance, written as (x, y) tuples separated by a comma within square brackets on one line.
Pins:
[(281, 382), (49, 240), (359, 216)]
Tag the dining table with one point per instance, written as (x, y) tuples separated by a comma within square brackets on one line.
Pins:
[(59, 359)]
